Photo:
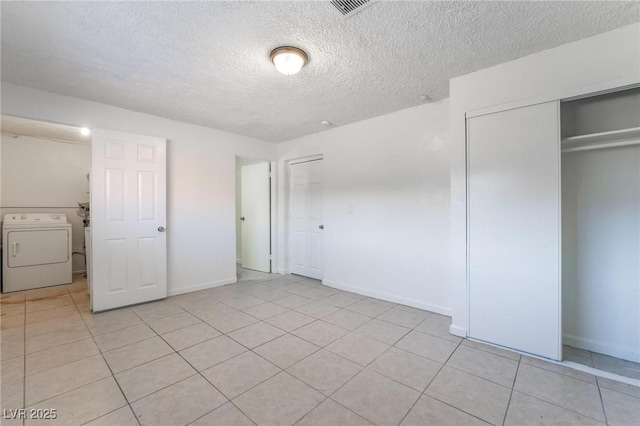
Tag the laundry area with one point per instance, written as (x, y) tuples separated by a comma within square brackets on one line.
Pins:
[(44, 203)]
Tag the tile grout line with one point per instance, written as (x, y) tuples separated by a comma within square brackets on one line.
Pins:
[(198, 372), (431, 381), (24, 378), (195, 344), (185, 310), (424, 393), (480, 377), (321, 347), (558, 405), (410, 329), (363, 368), (137, 365), (513, 384), (464, 339), (604, 411), (252, 351), (471, 374), (560, 372), (179, 328), (69, 390), (623, 392), (108, 366)]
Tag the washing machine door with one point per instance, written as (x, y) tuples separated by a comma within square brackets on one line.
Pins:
[(37, 247)]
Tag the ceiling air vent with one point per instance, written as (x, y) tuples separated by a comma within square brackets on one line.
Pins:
[(348, 8)]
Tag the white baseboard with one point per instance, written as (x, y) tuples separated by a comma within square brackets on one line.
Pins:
[(458, 331), (239, 261), (590, 345), (390, 298), (202, 286), (283, 271), (79, 271)]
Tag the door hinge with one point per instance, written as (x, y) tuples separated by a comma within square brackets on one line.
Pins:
[(270, 257), (270, 175)]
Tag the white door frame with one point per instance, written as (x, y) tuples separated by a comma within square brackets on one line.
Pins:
[(287, 204), (273, 207)]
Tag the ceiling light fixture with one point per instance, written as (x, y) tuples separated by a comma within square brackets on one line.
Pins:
[(85, 131), (288, 60)]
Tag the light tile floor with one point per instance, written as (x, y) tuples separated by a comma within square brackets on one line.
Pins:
[(602, 362), (277, 350)]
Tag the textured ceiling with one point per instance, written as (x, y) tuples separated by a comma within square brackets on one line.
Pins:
[(208, 62)]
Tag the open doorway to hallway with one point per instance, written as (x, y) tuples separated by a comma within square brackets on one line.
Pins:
[(253, 214)]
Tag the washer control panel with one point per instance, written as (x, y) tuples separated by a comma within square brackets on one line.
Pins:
[(29, 218)]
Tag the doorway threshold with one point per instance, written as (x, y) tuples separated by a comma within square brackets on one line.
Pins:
[(599, 373)]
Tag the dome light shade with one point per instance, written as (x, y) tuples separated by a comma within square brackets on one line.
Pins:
[(288, 60), (85, 131)]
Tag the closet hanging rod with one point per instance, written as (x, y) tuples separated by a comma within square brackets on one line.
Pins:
[(613, 135), (602, 146), (613, 138)]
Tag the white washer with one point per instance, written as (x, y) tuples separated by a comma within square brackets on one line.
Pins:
[(37, 251)]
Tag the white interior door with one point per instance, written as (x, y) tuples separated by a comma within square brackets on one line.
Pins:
[(306, 213), (256, 216), (128, 219), (514, 229)]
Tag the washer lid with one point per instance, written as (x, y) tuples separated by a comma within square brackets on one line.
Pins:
[(38, 219)]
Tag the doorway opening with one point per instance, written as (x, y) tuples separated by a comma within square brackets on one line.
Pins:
[(601, 232), (44, 204), (51, 174), (253, 218)]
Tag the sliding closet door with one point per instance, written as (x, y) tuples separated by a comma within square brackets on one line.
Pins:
[(514, 228)]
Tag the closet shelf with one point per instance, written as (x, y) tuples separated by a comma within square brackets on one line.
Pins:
[(601, 140)]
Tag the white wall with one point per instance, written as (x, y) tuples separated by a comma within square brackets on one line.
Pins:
[(386, 205), (42, 176), (597, 63), (200, 179), (39, 172), (601, 249)]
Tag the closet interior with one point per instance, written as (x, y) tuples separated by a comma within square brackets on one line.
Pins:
[(600, 143)]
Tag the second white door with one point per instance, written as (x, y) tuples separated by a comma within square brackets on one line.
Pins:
[(255, 216), (306, 219)]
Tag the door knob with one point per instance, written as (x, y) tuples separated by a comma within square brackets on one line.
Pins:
[(242, 218), (161, 229), (321, 226)]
